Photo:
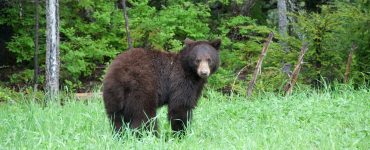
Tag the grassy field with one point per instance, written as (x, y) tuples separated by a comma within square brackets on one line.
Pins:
[(306, 120)]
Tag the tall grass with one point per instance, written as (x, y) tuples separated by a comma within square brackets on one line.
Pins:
[(306, 120)]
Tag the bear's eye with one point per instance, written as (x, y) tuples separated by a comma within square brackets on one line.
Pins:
[(197, 61), (209, 60)]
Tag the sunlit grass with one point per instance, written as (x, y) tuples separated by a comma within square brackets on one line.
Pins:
[(306, 120)]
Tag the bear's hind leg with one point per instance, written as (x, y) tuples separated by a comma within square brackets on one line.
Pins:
[(116, 119), (141, 111)]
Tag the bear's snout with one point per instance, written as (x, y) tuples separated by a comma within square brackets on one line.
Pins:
[(203, 69)]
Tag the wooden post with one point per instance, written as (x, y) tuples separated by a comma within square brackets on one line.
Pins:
[(288, 88), (129, 41), (259, 64), (349, 62)]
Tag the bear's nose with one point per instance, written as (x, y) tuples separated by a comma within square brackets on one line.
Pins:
[(203, 69), (204, 73)]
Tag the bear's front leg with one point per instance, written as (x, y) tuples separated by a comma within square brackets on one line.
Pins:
[(179, 117)]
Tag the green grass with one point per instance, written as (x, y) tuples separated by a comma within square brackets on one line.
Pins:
[(306, 120)]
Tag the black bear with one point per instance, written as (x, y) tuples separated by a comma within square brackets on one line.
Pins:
[(139, 81)]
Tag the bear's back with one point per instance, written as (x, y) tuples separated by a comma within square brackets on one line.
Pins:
[(131, 69)]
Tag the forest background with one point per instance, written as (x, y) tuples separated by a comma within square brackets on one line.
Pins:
[(92, 33)]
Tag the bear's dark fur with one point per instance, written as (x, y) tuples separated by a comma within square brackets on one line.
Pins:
[(139, 81)]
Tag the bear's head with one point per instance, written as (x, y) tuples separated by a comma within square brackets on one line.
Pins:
[(200, 58)]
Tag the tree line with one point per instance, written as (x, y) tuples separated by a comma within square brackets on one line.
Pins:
[(92, 32)]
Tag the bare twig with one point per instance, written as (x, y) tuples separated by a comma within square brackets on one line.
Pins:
[(259, 64), (237, 75), (293, 79)]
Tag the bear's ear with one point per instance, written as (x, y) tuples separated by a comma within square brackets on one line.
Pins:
[(188, 41), (216, 44)]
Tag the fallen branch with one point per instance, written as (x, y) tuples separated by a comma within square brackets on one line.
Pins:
[(288, 88), (349, 62), (259, 64), (82, 96)]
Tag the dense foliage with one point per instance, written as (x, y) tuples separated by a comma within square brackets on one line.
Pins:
[(92, 33)]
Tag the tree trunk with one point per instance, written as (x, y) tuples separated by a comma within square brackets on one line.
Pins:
[(129, 41), (247, 6), (283, 22), (259, 64), (35, 58), (52, 49), (20, 9)]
